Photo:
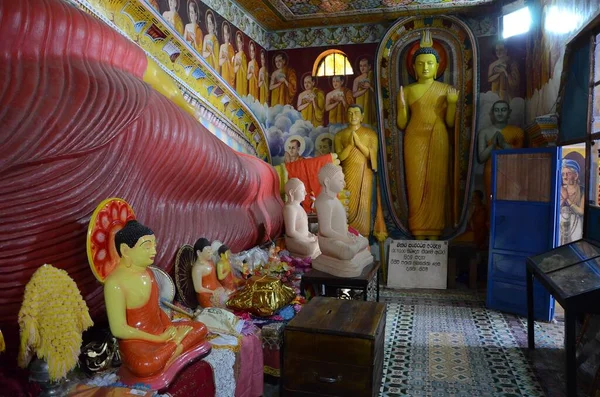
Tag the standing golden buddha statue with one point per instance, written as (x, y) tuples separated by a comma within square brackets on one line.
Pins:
[(426, 142), (356, 147)]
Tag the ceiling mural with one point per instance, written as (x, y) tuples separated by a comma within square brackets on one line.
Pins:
[(277, 14)]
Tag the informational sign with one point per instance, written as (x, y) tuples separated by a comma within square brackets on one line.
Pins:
[(418, 264)]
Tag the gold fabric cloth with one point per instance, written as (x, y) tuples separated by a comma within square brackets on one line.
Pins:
[(262, 296)]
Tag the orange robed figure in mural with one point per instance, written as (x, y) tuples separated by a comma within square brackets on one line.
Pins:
[(498, 136), (338, 100), (283, 82), (426, 109), (148, 341), (192, 32)]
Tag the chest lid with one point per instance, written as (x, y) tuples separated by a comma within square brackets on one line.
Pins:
[(339, 317)]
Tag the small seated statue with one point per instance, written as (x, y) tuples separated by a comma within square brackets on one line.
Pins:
[(224, 273), (298, 240), (344, 254), (204, 274), (148, 341)]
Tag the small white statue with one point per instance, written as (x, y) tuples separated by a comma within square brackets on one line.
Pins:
[(298, 240), (344, 254)]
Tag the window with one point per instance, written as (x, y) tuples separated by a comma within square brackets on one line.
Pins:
[(332, 63), (516, 22)]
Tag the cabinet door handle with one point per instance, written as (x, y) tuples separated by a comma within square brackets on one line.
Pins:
[(326, 379)]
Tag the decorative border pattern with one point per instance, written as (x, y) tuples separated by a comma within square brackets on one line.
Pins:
[(464, 64), (298, 9), (140, 23), (240, 19), (326, 36)]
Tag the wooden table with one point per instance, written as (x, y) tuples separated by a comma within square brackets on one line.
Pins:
[(364, 282), (334, 347)]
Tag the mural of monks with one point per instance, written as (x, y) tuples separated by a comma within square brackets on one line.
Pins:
[(338, 100), (172, 17), (240, 66), (363, 90), (283, 82), (210, 47), (503, 74), (192, 32), (324, 144), (311, 101), (226, 55), (263, 79), (252, 75)]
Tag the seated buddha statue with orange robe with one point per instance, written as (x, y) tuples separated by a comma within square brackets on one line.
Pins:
[(204, 273), (148, 341)]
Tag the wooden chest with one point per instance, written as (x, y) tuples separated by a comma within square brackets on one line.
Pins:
[(334, 347)]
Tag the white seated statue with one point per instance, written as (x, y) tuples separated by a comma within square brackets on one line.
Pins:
[(344, 254), (298, 240)]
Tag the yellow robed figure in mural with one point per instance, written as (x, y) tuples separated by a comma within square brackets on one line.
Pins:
[(226, 55), (210, 46), (240, 66), (356, 147), (426, 109), (252, 75)]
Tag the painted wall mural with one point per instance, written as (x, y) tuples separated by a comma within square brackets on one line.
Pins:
[(326, 36), (186, 52), (305, 112), (239, 18), (559, 21)]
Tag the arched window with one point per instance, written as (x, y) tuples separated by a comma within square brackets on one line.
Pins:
[(332, 63)]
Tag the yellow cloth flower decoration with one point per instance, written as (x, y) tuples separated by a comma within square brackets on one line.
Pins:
[(51, 320)]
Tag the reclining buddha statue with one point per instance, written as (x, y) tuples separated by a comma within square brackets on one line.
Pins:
[(131, 134), (148, 341), (344, 253)]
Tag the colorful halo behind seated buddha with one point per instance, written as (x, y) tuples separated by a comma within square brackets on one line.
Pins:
[(108, 218)]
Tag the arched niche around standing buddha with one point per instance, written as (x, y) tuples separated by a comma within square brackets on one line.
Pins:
[(458, 67)]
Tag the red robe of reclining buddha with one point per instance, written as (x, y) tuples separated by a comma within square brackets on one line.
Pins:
[(78, 125)]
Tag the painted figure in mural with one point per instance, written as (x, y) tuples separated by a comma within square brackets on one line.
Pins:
[(311, 101), (499, 136), (283, 82), (572, 202), (263, 79), (192, 32), (338, 100), (253, 72), (425, 111), (294, 148), (240, 66), (210, 48), (363, 90), (154, 4), (324, 144), (298, 240), (148, 341), (356, 147), (172, 16), (503, 75), (226, 55)]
